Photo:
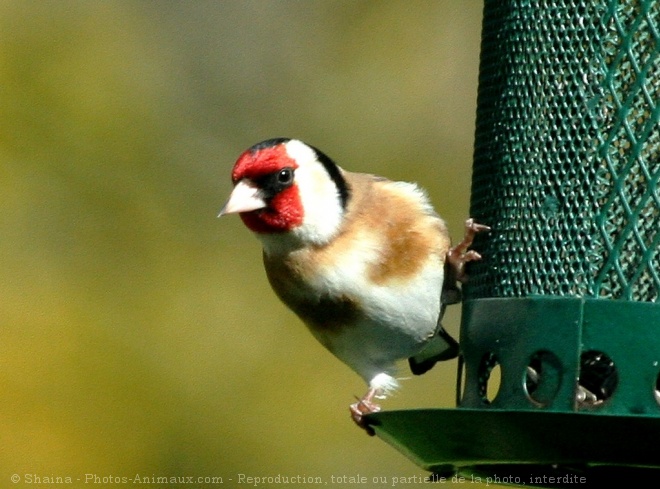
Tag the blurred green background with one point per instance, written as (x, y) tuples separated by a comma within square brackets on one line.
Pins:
[(139, 334)]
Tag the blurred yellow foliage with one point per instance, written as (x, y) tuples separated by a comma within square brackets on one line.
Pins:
[(139, 335)]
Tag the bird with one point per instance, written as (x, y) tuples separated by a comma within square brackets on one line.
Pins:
[(365, 262)]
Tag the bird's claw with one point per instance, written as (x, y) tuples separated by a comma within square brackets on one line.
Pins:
[(363, 407), (460, 254)]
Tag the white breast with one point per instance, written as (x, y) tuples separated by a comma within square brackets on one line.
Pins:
[(400, 315)]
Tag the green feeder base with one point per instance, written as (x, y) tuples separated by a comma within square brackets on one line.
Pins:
[(531, 448)]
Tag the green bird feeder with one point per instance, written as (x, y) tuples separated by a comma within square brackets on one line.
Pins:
[(565, 303)]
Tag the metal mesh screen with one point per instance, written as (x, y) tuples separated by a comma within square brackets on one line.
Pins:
[(567, 154)]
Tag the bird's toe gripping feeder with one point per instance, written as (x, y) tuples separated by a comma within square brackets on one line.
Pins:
[(565, 303)]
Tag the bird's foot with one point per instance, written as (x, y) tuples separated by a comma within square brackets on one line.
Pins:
[(461, 254), (364, 406)]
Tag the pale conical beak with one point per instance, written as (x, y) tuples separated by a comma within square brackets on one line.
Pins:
[(245, 197)]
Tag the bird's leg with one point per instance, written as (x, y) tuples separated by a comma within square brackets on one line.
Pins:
[(366, 405), (460, 254)]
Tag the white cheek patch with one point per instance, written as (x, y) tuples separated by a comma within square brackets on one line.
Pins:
[(300, 152), (319, 195)]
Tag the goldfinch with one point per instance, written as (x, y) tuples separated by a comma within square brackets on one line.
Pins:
[(364, 262)]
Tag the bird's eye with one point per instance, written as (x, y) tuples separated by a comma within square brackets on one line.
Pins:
[(285, 176), (274, 183)]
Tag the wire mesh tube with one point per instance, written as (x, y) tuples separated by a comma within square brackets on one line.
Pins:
[(567, 155), (560, 346)]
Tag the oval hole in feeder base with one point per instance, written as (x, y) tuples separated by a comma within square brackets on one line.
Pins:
[(598, 379), (490, 377), (542, 378)]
